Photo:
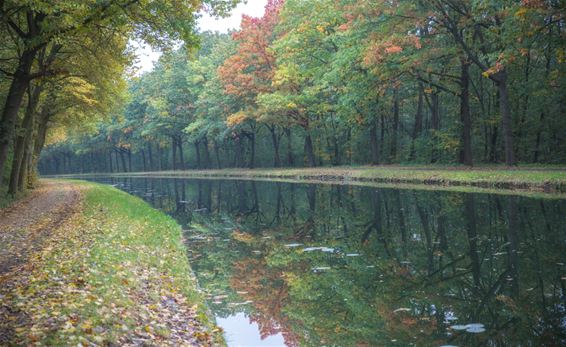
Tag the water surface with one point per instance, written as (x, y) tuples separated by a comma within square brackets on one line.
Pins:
[(336, 265)]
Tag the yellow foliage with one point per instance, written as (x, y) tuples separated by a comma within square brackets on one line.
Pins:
[(242, 236), (521, 12), (236, 118)]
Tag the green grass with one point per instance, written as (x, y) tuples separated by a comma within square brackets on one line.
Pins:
[(105, 275)]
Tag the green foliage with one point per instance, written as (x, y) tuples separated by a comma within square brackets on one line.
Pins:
[(344, 79)]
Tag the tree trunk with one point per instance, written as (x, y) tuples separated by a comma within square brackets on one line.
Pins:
[(538, 138), (493, 145), (290, 159), (506, 119), (238, 151), (181, 155), (309, 151), (275, 141), (41, 132), (337, 160), (116, 159), (143, 160), (12, 104), (435, 125), (111, 166), (395, 130), (373, 142), (417, 129), (160, 157), (23, 140), (129, 160), (123, 160), (382, 136), (206, 153), (252, 150), (197, 152), (26, 175), (174, 153), (465, 117), (217, 154), (150, 157), (548, 55)]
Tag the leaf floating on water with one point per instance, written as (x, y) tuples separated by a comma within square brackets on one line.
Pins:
[(322, 249), (320, 268), (402, 309), (459, 327), (475, 330), (291, 245)]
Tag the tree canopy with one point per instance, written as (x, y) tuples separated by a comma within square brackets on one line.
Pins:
[(311, 82)]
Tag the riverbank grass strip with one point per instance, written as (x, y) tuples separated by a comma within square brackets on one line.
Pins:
[(534, 179), (117, 273)]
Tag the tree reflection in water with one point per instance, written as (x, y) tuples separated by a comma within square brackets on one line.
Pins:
[(408, 267)]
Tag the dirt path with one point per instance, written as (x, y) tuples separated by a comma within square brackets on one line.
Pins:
[(23, 229), (25, 225)]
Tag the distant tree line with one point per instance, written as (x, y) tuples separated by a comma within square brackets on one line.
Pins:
[(62, 68), (327, 82)]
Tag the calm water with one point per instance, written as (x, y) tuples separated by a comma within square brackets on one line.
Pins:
[(330, 265)]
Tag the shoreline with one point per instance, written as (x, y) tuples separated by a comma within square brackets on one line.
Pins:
[(515, 180)]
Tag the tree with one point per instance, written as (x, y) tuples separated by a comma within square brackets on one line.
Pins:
[(249, 72), (35, 25)]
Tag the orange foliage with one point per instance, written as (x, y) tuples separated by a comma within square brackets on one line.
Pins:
[(249, 72), (269, 295), (393, 49)]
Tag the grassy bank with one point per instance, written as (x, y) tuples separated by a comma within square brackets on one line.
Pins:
[(538, 179), (116, 273)]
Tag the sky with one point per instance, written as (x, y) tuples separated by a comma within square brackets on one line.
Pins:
[(255, 8)]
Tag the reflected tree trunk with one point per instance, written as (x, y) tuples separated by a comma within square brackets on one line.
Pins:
[(401, 218), (513, 248), (428, 235), (470, 222)]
